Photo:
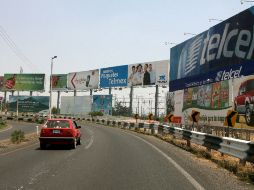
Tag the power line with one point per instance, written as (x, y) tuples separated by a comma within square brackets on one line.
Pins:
[(15, 49)]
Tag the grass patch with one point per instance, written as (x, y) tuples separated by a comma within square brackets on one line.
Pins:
[(17, 136)]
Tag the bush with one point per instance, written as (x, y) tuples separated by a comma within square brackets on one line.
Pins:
[(17, 136), (95, 113)]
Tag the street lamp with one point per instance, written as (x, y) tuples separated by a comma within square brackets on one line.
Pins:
[(215, 19), (242, 1), (187, 33), (50, 98)]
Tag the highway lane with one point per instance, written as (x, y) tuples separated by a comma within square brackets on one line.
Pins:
[(24, 126), (110, 158)]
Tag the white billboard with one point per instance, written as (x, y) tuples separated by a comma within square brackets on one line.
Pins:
[(76, 105), (83, 80), (148, 73)]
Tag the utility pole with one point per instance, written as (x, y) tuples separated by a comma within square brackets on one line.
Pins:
[(131, 99), (156, 100), (58, 100)]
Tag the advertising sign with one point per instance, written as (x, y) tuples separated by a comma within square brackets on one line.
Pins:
[(223, 52), (32, 104), (149, 73), (83, 80), (102, 103), (114, 76), (214, 100), (59, 82), (23, 82), (76, 105)]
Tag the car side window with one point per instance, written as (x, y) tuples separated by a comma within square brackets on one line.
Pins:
[(74, 124)]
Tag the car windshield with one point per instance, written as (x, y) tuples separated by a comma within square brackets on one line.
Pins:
[(57, 124)]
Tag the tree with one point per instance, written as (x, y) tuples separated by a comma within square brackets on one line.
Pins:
[(119, 109)]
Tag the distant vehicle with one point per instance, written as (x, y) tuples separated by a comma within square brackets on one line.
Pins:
[(244, 101), (43, 113), (60, 131)]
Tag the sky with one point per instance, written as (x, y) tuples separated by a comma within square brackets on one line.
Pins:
[(94, 34), (86, 35)]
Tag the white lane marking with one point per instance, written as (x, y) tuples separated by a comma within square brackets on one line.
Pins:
[(177, 166), (90, 143), (91, 139), (6, 129)]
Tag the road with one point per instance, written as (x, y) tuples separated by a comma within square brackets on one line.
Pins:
[(13, 125), (110, 158)]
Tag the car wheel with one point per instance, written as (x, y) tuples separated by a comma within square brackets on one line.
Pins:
[(79, 141), (42, 146), (74, 144), (249, 117)]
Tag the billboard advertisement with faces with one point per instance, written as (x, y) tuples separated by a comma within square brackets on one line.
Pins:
[(149, 73)]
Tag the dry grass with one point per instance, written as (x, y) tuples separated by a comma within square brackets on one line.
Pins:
[(232, 164)]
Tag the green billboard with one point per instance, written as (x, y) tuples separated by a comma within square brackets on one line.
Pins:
[(59, 82), (32, 104), (23, 82)]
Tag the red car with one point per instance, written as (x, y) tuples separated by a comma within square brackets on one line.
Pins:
[(60, 131), (244, 101)]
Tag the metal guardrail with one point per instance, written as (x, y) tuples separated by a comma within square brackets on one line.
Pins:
[(242, 149)]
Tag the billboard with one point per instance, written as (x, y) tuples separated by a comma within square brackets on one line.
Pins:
[(28, 103), (102, 103), (114, 76), (76, 105), (83, 80), (223, 52), (23, 82), (149, 73), (214, 100), (59, 82)]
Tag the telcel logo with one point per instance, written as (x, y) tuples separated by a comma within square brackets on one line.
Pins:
[(227, 75)]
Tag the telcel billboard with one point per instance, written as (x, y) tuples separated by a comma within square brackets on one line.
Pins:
[(223, 52)]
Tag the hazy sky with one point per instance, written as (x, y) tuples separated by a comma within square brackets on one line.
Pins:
[(100, 33)]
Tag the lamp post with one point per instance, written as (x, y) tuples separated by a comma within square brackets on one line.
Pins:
[(50, 98), (242, 1), (214, 19), (187, 33)]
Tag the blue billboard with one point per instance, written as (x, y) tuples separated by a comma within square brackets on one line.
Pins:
[(223, 52), (114, 76), (102, 103)]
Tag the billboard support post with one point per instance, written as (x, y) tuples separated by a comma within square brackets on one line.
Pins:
[(58, 97), (5, 95), (131, 99), (156, 100)]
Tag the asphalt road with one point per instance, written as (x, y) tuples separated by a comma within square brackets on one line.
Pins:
[(111, 158), (13, 125)]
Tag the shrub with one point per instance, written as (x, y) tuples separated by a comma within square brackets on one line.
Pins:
[(17, 136)]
